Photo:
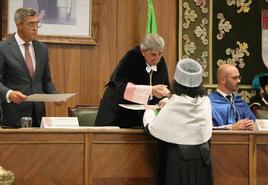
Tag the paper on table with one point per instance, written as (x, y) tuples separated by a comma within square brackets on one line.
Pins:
[(262, 124), (222, 127), (139, 107), (99, 127), (59, 122), (49, 97)]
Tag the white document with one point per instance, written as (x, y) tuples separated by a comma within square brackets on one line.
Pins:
[(99, 127), (139, 107), (222, 127), (59, 122), (262, 124), (49, 97)]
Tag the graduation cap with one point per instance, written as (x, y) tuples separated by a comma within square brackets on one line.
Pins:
[(188, 73)]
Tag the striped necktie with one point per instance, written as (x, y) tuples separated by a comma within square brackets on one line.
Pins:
[(234, 110)]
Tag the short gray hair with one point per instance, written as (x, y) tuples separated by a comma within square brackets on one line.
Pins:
[(153, 42), (21, 13)]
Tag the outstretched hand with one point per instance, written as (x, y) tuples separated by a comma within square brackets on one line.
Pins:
[(160, 91)]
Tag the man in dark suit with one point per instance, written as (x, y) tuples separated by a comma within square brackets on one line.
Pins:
[(24, 70)]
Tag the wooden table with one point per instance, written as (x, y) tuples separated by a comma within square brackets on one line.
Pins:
[(120, 156), (240, 157)]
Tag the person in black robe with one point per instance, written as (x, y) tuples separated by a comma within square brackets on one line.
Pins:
[(142, 65)]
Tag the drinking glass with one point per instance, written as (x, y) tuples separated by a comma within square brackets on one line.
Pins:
[(26, 122)]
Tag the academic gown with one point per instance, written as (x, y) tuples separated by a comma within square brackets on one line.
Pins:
[(222, 112), (131, 68), (185, 124)]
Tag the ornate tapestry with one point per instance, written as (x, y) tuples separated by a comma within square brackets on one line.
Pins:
[(215, 32)]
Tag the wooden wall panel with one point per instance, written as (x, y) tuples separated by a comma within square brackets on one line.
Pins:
[(96, 60), (261, 160), (31, 156), (86, 69), (167, 26), (235, 170)]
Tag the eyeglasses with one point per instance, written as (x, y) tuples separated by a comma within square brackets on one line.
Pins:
[(235, 77), (32, 24)]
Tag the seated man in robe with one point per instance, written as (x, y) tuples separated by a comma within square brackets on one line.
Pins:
[(227, 107)]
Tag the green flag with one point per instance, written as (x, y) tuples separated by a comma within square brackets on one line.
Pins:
[(151, 26)]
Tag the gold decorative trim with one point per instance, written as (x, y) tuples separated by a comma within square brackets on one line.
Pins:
[(223, 26), (237, 55), (189, 15), (201, 31), (241, 4), (195, 32), (204, 63), (246, 95), (210, 53), (202, 4), (189, 46)]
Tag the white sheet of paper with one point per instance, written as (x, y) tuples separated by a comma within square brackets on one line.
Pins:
[(222, 127), (139, 107), (59, 122), (262, 124), (99, 127), (49, 97)]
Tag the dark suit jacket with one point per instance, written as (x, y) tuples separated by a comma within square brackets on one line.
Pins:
[(14, 75)]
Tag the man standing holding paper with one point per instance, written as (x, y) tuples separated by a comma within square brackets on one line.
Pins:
[(24, 70)]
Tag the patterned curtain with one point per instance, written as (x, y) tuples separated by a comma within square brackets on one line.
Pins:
[(215, 32)]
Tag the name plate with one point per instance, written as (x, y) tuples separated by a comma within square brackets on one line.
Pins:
[(59, 122)]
